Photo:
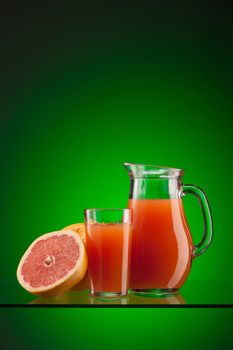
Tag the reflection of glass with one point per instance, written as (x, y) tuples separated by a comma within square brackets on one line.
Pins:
[(124, 300), (84, 298), (162, 247), (108, 245)]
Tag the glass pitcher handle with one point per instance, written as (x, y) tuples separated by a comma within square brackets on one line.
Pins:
[(208, 224)]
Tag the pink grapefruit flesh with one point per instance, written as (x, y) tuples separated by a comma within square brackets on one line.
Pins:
[(53, 263)]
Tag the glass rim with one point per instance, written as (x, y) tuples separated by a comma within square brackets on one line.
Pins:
[(107, 209)]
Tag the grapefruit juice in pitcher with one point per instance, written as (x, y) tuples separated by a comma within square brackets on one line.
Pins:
[(162, 246)]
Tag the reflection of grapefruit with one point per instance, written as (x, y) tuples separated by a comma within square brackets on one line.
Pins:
[(53, 263), (79, 228)]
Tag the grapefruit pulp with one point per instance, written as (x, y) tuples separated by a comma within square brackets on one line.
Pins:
[(53, 263)]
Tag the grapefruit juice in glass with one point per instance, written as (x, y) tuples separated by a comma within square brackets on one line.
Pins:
[(108, 249), (162, 246)]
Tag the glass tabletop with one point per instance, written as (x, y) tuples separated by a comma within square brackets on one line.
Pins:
[(192, 293)]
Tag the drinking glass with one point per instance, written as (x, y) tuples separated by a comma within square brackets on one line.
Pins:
[(108, 249)]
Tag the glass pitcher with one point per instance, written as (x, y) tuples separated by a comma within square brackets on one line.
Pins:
[(162, 246)]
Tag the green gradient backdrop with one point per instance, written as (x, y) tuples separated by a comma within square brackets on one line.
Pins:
[(85, 91)]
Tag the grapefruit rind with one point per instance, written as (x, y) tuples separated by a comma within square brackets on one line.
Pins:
[(79, 228), (74, 276)]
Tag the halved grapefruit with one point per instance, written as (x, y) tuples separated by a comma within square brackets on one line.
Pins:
[(53, 263)]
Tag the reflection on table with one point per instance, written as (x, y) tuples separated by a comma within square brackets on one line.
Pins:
[(85, 298), (193, 292)]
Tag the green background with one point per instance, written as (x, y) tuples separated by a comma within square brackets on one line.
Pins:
[(86, 89)]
